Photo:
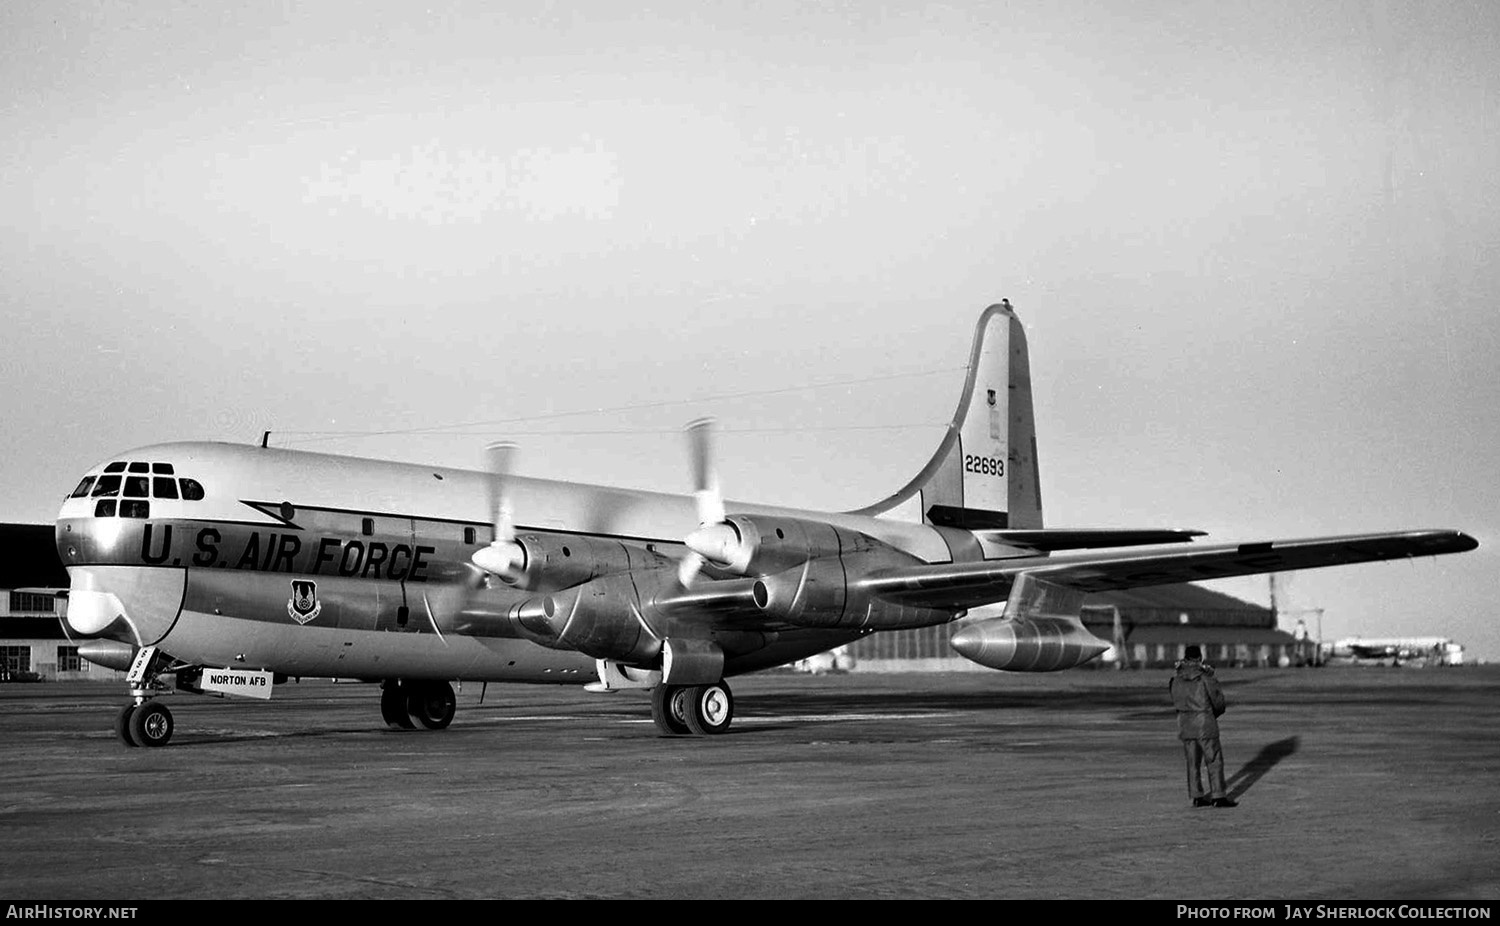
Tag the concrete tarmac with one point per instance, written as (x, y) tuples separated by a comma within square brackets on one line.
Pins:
[(1354, 784)]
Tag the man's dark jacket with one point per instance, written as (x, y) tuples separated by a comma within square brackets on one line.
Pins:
[(1198, 699)]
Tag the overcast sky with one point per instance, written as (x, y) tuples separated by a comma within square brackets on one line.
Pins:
[(1253, 245)]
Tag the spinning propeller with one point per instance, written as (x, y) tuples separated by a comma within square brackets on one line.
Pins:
[(716, 540), (505, 556)]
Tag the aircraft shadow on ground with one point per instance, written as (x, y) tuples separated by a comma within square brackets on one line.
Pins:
[(1265, 760)]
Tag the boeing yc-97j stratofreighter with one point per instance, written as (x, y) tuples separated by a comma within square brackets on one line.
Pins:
[(214, 567)]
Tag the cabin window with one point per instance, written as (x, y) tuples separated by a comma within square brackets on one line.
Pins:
[(105, 508), (107, 485), (162, 469), (163, 487), (192, 490), (135, 508), (135, 487), (469, 536), (367, 527), (83, 487)]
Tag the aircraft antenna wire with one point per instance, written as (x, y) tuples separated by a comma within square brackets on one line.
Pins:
[(465, 428)]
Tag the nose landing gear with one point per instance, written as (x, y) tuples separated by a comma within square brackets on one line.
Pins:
[(144, 721)]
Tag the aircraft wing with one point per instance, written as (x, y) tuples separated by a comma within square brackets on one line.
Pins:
[(965, 585)]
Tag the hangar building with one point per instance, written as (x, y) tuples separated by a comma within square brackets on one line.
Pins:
[(32, 642)]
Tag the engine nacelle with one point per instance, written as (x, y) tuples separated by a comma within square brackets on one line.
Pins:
[(600, 618), (549, 562), (818, 593), (757, 545), (1038, 644)]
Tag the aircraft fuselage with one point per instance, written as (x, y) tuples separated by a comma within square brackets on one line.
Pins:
[(336, 566)]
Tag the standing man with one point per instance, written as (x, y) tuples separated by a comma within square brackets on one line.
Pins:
[(1199, 701)]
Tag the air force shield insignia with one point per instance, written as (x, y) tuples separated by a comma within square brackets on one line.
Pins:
[(304, 605)]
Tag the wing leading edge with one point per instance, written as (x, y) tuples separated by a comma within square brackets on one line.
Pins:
[(967, 585)]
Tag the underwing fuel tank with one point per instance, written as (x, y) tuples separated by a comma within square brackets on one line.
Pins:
[(1039, 644)]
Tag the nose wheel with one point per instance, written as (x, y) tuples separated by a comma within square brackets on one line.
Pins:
[(148, 724)]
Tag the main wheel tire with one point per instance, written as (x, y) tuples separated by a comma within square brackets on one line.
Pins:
[(151, 725), (709, 709), (432, 704), (669, 709), (393, 697), (122, 725)]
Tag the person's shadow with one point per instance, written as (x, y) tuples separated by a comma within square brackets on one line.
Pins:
[(1252, 771)]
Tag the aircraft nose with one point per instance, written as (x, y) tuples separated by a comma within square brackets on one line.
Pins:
[(136, 605)]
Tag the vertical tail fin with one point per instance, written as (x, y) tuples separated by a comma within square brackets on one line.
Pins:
[(984, 474)]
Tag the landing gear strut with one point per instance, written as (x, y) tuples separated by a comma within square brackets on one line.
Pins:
[(698, 709), (144, 721), (405, 704)]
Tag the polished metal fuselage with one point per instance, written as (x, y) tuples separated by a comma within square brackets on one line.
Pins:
[(319, 565)]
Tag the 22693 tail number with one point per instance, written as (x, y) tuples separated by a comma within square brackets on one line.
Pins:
[(985, 466)]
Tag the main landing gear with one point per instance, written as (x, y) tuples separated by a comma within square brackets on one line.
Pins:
[(698, 709), (404, 704)]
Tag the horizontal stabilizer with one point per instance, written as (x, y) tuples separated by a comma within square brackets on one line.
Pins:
[(967, 585), (1085, 538)]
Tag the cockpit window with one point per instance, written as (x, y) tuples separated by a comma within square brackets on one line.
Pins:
[(192, 490), (135, 508), (163, 487), (136, 486), (162, 469), (107, 485), (105, 508), (115, 468), (140, 467), (83, 487)]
